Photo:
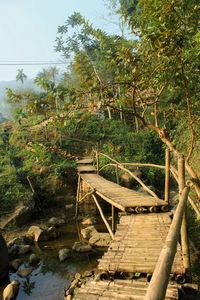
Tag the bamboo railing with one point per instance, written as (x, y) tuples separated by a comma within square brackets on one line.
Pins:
[(159, 281), (122, 166), (170, 171), (161, 275)]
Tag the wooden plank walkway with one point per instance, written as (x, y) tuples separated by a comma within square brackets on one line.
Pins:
[(119, 290), (118, 196), (137, 244)]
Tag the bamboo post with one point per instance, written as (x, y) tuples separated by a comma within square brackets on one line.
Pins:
[(117, 174), (103, 217), (30, 184), (159, 282), (86, 195), (46, 133), (184, 235), (77, 195), (97, 161), (78, 230), (113, 219), (167, 174)]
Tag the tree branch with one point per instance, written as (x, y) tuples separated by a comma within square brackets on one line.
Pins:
[(166, 140)]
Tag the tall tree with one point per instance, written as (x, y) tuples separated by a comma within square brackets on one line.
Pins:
[(21, 76), (167, 76), (102, 62)]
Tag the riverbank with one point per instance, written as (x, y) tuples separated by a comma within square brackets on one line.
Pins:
[(50, 277)]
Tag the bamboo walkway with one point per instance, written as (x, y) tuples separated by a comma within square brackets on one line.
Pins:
[(136, 244), (120, 290), (118, 196)]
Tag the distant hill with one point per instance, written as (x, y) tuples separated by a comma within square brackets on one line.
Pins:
[(5, 107), (2, 118)]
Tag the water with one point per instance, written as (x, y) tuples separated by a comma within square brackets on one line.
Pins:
[(49, 279)]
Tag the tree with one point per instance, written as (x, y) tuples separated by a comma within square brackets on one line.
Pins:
[(47, 81), (27, 101), (168, 52), (153, 76), (50, 74), (21, 76), (101, 64)]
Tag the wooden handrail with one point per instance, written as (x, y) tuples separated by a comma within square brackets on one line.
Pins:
[(134, 176), (158, 285), (144, 165), (108, 157), (173, 171), (132, 164), (120, 166)]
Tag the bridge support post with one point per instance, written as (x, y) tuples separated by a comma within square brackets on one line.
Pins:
[(184, 235), (97, 161), (117, 173), (167, 174), (103, 217), (77, 195), (113, 219)]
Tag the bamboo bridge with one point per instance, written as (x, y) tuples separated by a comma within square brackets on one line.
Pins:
[(148, 257)]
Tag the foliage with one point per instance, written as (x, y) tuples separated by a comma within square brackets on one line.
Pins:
[(118, 140), (168, 53), (12, 190), (102, 63), (19, 159), (114, 88)]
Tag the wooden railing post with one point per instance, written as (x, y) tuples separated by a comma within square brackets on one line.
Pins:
[(97, 161), (167, 174), (184, 235), (77, 195), (113, 218), (159, 281), (117, 174)]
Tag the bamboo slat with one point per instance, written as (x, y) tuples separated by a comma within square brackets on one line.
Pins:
[(137, 244), (120, 197), (119, 290)]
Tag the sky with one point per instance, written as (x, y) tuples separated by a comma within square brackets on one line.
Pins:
[(28, 30)]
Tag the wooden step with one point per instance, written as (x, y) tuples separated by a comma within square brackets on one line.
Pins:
[(85, 161), (86, 169)]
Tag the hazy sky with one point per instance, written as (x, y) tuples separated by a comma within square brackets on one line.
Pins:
[(28, 29)]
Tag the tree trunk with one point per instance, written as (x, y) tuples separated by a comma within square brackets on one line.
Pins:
[(165, 139)]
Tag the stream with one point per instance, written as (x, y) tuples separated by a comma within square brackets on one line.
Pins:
[(50, 277)]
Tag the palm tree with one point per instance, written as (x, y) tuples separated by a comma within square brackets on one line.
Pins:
[(48, 74), (53, 72), (21, 76)]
